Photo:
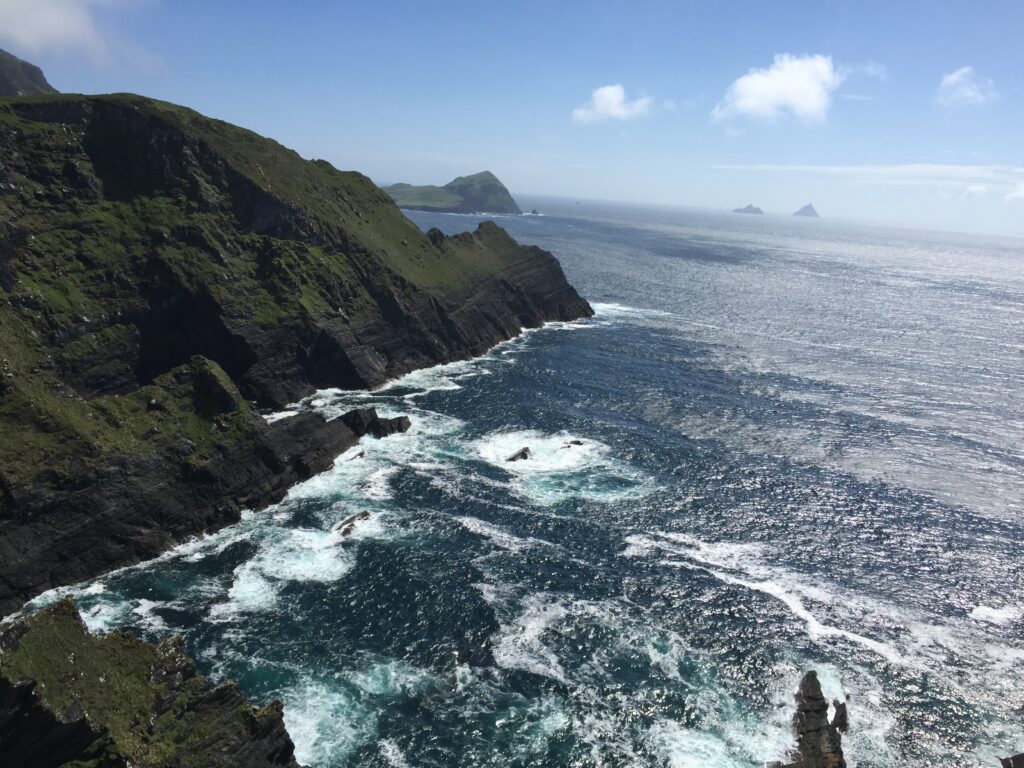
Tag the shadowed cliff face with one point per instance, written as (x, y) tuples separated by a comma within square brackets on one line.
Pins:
[(19, 78), (162, 273), (113, 701)]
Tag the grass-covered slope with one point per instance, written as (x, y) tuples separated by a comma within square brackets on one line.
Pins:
[(478, 193), (160, 272), (68, 698)]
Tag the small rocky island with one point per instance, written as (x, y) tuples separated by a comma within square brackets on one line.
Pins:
[(751, 208), (479, 193), (808, 211)]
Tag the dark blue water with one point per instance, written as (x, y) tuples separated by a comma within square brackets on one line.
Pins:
[(799, 446)]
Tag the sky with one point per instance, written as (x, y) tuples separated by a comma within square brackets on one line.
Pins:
[(899, 112)]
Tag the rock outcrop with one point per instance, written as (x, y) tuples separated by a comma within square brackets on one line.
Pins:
[(19, 78), (71, 698), (521, 455), (807, 210), (479, 193), (164, 276), (818, 741), (750, 208)]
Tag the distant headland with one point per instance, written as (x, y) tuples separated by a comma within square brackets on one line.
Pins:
[(479, 193), (749, 209), (807, 210)]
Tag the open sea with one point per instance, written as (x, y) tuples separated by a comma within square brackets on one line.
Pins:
[(781, 444)]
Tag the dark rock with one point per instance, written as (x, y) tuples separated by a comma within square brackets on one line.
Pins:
[(348, 525), (573, 442), (807, 210), (840, 717), (819, 743), (1017, 761), (520, 455), (385, 427)]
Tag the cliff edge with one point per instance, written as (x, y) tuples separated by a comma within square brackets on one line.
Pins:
[(163, 277)]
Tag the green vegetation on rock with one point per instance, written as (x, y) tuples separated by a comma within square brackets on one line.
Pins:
[(162, 276), (139, 704), (479, 193)]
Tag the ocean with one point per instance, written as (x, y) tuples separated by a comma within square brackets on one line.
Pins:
[(781, 444)]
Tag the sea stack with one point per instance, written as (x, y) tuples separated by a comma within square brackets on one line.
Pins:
[(818, 741), (751, 208), (807, 210)]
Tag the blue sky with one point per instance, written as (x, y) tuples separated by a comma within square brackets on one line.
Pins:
[(908, 112)]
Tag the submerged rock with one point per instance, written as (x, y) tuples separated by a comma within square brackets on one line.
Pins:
[(818, 741), (348, 525), (520, 455)]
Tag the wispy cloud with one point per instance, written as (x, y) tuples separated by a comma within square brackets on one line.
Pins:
[(965, 87), (609, 102), (973, 190), (33, 27), (800, 86), (1015, 195)]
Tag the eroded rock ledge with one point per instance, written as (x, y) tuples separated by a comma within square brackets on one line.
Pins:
[(114, 701)]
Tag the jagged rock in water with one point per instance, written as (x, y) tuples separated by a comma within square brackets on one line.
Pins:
[(163, 277), (520, 455), (807, 210), (347, 526), (19, 78), (365, 421), (68, 697), (1016, 761), (818, 741)]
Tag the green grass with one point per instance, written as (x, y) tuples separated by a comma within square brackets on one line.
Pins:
[(129, 689)]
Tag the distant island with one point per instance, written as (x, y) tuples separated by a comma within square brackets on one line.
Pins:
[(807, 210), (479, 193), (19, 78), (749, 209)]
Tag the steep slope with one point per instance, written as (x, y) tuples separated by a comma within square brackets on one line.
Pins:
[(807, 210), (479, 193), (70, 698), (160, 273), (19, 78)]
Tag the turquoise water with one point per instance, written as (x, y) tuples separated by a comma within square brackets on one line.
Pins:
[(780, 444)]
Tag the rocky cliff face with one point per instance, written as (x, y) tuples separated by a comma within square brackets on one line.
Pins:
[(163, 276), (19, 78), (68, 697)]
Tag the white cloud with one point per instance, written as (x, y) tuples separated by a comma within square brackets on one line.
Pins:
[(1016, 194), (796, 85), (964, 87), (973, 190), (33, 27), (609, 103)]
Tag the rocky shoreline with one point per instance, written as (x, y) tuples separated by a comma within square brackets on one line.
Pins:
[(163, 278)]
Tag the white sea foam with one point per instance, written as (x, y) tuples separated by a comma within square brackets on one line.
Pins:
[(499, 536), (999, 616), (326, 722), (391, 752), (519, 644), (560, 466), (682, 747)]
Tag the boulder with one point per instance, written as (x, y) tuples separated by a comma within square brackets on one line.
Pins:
[(520, 455)]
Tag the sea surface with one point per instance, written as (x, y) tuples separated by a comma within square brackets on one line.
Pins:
[(781, 444)]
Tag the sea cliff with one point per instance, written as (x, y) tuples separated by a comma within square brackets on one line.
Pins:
[(164, 277)]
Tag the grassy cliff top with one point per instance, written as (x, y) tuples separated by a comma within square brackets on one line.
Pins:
[(478, 193)]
